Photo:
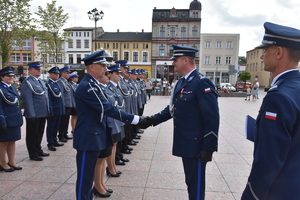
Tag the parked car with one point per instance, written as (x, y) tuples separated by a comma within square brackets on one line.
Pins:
[(231, 87), (242, 86)]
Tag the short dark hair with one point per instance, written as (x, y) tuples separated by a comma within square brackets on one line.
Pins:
[(294, 54)]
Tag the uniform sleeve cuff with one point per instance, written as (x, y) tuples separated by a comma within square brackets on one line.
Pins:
[(136, 119)]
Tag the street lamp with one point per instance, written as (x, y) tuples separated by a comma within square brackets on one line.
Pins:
[(95, 15)]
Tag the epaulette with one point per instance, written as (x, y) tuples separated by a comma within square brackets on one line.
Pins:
[(275, 86), (201, 76)]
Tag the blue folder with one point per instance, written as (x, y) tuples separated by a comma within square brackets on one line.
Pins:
[(250, 128)]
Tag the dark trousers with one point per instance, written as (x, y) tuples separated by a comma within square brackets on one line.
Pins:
[(141, 110), (149, 91), (119, 154), (52, 128), (64, 123), (34, 134), (86, 162), (194, 171)]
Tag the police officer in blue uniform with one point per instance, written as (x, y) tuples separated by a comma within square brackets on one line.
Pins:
[(36, 106), (56, 109), (195, 113), (90, 131), (275, 169), (67, 94), (11, 120)]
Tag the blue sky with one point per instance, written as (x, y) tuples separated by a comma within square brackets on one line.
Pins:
[(218, 16)]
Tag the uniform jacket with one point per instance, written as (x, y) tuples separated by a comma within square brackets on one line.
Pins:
[(66, 92), (125, 90), (10, 112), (142, 85), (74, 87), (91, 106), (56, 105), (275, 168), (134, 97), (195, 116), (35, 96)]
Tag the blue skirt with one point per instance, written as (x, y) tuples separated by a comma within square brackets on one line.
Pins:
[(12, 134)]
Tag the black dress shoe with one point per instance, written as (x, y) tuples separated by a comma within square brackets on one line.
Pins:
[(15, 168), (137, 137), (109, 190), (58, 144), (68, 137), (51, 148), (43, 154), (126, 152), (6, 170), (63, 140), (119, 162), (140, 131), (110, 174), (36, 158), (130, 149), (135, 141), (124, 160), (98, 194), (131, 143)]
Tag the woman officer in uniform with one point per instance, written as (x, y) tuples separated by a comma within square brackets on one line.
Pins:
[(10, 120)]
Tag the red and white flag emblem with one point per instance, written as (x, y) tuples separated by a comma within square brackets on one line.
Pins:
[(207, 90), (270, 115)]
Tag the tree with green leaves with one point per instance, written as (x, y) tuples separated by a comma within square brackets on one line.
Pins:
[(51, 20), (242, 60), (244, 76), (15, 25)]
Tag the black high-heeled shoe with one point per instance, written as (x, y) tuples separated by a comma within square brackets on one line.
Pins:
[(6, 170), (110, 174), (98, 194), (109, 190), (15, 168)]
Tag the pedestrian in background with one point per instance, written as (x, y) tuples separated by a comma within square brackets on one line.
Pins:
[(11, 120), (148, 88), (275, 168)]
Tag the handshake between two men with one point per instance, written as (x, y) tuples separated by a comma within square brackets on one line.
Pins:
[(145, 122)]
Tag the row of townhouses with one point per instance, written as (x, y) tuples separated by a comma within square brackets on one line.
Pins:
[(145, 50)]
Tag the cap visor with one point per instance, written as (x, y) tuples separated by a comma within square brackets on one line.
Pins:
[(262, 46)]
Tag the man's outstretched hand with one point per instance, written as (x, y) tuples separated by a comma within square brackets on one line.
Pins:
[(145, 122)]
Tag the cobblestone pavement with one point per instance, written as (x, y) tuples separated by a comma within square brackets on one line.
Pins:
[(152, 173)]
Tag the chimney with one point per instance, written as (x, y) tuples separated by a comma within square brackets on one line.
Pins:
[(142, 30), (118, 30)]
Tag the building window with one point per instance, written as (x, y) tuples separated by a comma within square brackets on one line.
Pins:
[(162, 32), (161, 51), (219, 44), (98, 45), (126, 45), (172, 32), (59, 58), (145, 46), (44, 58), (126, 55), (218, 60), (26, 58), (15, 58), (14, 45), (207, 60), (135, 56), (71, 60), (106, 45), (86, 44), (195, 31), (27, 44), (228, 60), (229, 44), (207, 44), (79, 34), (70, 44), (145, 56), (210, 75), (171, 51), (52, 58), (135, 45), (183, 31), (115, 45), (115, 55), (88, 34), (78, 58), (78, 43)]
